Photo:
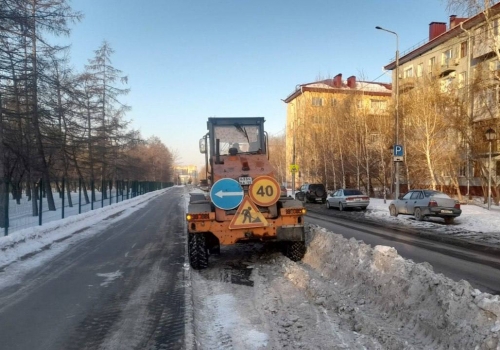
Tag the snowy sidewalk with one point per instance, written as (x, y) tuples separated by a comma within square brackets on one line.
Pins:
[(477, 227)]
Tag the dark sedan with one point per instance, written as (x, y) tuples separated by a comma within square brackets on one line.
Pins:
[(425, 203)]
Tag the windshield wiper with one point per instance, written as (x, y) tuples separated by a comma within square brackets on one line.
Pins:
[(242, 130)]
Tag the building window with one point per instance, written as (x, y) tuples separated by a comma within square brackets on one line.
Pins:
[(420, 69), (378, 105), (374, 138), (446, 84), (334, 102), (317, 101), (462, 80), (462, 169), (446, 57), (359, 104), (316, 119), (494, 67), (497, 168), (431, 63), (463, 49), (486, 102), (408, 72)]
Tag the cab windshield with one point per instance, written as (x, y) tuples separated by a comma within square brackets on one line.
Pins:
[(245, 138)]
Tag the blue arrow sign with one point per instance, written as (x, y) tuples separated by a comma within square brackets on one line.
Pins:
[(226, 194)]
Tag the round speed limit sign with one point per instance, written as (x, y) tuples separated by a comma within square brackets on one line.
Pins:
[(264, 191)]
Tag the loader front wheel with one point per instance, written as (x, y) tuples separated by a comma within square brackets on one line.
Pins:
[(198, 253), (295, 250)]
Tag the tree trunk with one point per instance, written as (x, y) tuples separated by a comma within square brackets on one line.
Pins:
[(3, 188), (36, 121)]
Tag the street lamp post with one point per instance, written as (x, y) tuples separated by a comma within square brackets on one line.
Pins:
[(396, 131), (293, 139), (491, 135)]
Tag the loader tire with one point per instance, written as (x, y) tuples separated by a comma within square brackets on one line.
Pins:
[(198, 254), (295, 250)]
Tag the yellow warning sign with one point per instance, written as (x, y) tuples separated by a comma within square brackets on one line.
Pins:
[(247, 216), (264, 191)]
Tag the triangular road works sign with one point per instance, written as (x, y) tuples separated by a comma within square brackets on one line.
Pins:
[(247, 216)]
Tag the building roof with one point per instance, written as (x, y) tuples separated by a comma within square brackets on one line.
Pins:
[(452, 32), (343, 87)]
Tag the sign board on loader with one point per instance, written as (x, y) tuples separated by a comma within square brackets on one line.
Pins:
[(226, 194)]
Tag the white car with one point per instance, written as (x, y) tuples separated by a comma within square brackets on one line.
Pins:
[(347, 198)]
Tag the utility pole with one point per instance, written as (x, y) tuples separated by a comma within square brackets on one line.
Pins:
[(396, 131)]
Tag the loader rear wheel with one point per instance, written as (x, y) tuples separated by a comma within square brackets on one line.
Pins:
[(198, 254), (295, 250)]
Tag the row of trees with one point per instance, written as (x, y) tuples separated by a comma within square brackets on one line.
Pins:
[(349, 145), (57, 122)]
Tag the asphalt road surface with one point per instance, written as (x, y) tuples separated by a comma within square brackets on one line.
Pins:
[(123, 288), (129, 286)]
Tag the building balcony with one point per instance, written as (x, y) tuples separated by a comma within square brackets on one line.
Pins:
[(483, 148), (447, 69), (407, 83)]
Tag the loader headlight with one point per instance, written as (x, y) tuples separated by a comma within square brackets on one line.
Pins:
[(293, 211), (199, 217)]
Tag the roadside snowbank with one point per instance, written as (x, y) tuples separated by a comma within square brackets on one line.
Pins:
[(413, 301)]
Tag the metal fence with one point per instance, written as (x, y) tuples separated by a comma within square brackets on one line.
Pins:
[(26, 205)]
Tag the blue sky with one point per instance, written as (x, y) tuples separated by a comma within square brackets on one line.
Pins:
[(188, 60)]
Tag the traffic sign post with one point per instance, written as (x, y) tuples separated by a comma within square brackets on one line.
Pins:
[(294, 168), (398, 153), (226, 194)]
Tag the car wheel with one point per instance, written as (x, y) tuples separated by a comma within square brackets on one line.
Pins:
[(449, 220), (393, 211), (418, 214), (341, 206), (328, 205)]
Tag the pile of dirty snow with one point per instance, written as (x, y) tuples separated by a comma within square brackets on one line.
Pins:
[(411, 301)]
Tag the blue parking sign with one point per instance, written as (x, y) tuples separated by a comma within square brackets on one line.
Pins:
[(398, 150), (398, 153)]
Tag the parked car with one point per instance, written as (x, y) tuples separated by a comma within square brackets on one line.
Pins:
[(311, 193), (203, 185), (347, 198), (424, 203)]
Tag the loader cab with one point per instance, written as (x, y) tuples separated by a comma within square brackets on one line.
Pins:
[(231, 136)]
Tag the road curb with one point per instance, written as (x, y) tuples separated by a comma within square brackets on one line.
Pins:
[(442, 238)]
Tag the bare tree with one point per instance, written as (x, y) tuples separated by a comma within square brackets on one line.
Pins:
[(110, 109), (277, 156), (49, 16), (430, 130)]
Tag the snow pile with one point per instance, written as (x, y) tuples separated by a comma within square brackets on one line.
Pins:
[(411, 301)]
